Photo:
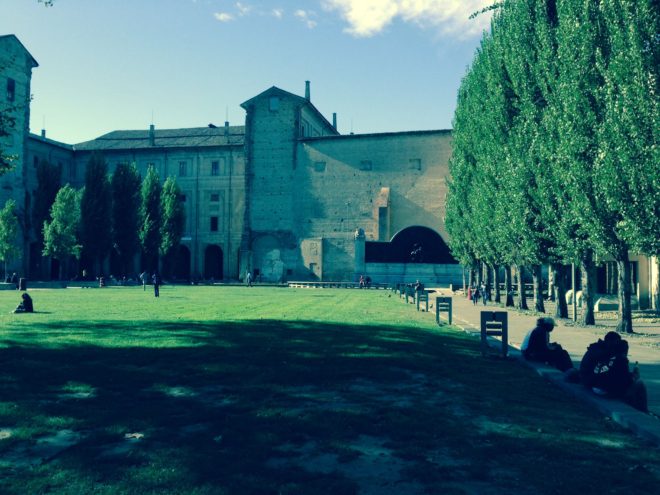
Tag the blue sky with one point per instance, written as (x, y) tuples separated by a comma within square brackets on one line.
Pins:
[(382, 65)]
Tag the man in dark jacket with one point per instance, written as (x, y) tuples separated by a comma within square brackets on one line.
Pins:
[(606, 370), (598, 355), (537, 346)]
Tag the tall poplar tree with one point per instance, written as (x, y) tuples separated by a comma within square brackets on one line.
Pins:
[(95, 214), (48, 184), (173, 220), (61, 231), (150, 218), (8, 232), (125, 186)]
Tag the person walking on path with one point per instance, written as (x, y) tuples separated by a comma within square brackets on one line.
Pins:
[(537, 346), (143, 279), (156, 281), (248, 278), (475, 296)]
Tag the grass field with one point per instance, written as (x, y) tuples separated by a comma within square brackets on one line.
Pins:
[(211, 390)]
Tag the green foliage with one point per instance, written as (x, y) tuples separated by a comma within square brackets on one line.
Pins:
[(173, 217), (125, 187), (8, 231), (150, 217), (556, 136), (61, 232), (48, 183), (95, 211)]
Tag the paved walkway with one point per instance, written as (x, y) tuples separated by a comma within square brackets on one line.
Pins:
[(644, 348)]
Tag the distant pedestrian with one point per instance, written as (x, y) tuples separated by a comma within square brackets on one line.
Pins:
[(156, 281), (475, 295), (484, 294), (248, 278), (143, 279)]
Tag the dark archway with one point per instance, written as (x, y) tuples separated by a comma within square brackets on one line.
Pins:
[(213, 260), (181, 268), (411, 245)]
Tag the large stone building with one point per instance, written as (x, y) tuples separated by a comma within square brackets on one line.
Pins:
[(285, 196)]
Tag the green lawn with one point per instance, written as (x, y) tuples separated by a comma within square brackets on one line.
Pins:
[(212, 390)]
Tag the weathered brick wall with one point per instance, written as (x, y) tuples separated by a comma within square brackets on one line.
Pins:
[(343, 181)]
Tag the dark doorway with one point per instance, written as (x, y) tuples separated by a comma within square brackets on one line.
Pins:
[(181, 268), (35, 262), (213, 263), (411, 245)]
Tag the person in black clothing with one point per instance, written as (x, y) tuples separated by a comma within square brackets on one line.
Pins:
[(156, 281), (537, 346), (605, 370), (25, 306)]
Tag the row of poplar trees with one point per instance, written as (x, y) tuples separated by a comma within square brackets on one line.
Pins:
[(556, 154), (120, 213)]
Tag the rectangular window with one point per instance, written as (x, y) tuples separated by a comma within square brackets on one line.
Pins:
[(215, 168), (366, 165), (274, 103), (11, 89), (415, 163), (183, 169), (214, 224), (215, 197)]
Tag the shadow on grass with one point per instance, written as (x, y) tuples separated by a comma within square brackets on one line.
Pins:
[(273, 407)]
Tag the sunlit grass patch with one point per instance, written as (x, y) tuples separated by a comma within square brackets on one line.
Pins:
[(237, 390)]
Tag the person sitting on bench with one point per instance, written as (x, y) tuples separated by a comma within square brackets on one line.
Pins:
[(25, 306), (537, 346)]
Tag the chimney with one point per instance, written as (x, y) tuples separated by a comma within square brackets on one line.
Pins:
[(43, 133), (152, 135), (307, 97), (334, 120), (226, 128)]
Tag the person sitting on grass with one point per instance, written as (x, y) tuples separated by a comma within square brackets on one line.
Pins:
[(25, 306), (537, 346), (606, 371)]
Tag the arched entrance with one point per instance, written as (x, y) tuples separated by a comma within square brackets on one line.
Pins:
[(411, 245), (181, 268), (213, 259)]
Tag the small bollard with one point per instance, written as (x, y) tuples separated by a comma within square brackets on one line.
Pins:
[(494, 324), (443, 304)]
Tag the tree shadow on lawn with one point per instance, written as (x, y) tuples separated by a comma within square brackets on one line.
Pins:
[(297, 407)]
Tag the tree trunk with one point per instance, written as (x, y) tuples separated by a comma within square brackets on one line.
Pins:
[(588, 269), (522, 297), (656, 291), (551, 283), (537, 277), (496, 278), (471, 276), (624, 321), (508, 287), (559, 279)]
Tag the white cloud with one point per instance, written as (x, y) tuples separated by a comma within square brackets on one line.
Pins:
[(368, 17), (305, 16), (223, 16), (278, 13), (243, 9)]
